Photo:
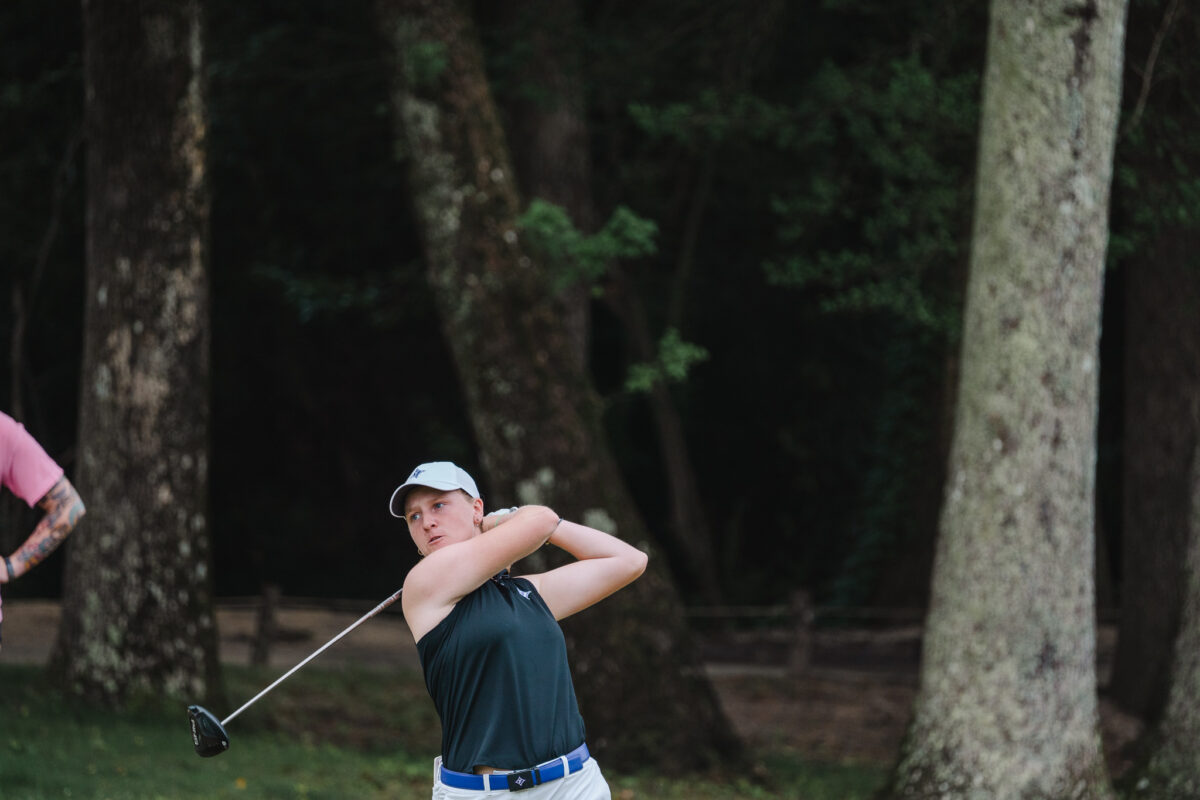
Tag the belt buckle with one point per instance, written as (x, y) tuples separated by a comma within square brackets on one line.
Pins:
[(520, 781)]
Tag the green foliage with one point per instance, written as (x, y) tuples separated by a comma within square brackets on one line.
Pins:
[(712, 119), (626, 236), (878, 230), (572, 256), (1156, 182), (877, 216), (816, 164), (314, 296), (675, 358), (881, 225), (871, 223)]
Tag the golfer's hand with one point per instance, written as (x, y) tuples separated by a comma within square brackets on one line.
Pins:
[(494, 518)]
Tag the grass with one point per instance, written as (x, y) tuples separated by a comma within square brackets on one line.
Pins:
[(325, 734)]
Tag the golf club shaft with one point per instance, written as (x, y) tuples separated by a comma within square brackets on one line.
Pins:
[(324, 647)]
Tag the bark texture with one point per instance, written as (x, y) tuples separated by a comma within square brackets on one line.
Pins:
[(1007, 705), (137, 605), (535, 416)]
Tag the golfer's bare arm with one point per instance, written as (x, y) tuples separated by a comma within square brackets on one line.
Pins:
[(63, 508), (604, 564), (445, 576)]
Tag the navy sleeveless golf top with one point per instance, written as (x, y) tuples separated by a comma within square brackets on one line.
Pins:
[(496, 668)]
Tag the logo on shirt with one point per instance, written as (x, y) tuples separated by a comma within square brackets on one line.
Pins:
[(524, 593)]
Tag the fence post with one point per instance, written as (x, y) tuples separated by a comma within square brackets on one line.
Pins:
[(267, 627), (802, 615)]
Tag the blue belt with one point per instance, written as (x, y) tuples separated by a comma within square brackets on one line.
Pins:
[(520, 779)]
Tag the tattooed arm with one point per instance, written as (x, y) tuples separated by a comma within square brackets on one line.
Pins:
[(63, 508)]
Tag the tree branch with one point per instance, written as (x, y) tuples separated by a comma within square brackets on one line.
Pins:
[(1151, 59)]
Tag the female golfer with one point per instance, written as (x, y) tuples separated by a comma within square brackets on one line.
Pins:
[(494, 657)]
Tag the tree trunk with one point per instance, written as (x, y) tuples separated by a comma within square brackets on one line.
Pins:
[(137, 602), (535, 416), (1007, 704), (691, 535)]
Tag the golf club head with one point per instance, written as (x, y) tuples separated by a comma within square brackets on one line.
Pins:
[(208, 735)]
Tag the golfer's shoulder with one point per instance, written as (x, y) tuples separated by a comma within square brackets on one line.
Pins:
[(428, 596), (438, 574), (422, 575)]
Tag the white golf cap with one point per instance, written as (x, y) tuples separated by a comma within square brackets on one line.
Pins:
[(443, 475)]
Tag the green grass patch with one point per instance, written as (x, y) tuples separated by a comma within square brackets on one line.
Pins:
[(325, 734)]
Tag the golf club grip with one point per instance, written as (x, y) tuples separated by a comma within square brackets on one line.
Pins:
[(318, 652)]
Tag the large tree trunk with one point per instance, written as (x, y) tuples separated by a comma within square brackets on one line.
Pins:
[(1007, 704), (534, 413), (137, 602)]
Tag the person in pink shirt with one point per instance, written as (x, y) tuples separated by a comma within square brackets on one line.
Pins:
[(31, 475)]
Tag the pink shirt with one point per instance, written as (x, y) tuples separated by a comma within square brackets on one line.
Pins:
[(24, 466)]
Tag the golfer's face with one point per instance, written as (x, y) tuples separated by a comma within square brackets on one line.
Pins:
[(436, 519)]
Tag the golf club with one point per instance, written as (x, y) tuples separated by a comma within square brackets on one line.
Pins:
[(208, 733)]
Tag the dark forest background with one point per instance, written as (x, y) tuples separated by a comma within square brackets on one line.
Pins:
[(808, 172)]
